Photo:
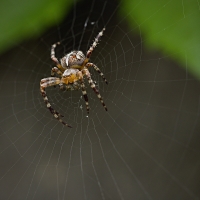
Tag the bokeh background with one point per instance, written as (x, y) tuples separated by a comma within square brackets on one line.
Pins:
[(145, 147)]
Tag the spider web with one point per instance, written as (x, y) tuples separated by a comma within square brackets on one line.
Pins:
[(145, 147)]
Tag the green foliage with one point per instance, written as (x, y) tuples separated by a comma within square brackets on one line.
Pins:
[(22, 19), (170, 26)]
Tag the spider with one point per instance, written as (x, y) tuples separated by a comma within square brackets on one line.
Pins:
[(72, 69)]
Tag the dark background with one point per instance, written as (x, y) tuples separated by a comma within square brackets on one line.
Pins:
[(145, 147)]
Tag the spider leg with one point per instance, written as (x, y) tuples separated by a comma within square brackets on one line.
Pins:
[(80, 76), (96, 40), (92, 85), (55, 70), (85, 96), (98, 70), (53, 57), (47, 82)]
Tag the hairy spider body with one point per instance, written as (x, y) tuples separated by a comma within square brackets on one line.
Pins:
[(71, 70)]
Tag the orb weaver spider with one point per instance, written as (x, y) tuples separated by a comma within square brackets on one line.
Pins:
[(72, 69)]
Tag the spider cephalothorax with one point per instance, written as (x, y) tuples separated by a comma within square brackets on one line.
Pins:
[(71, 70)]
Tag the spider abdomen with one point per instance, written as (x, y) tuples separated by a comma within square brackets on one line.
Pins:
[(74, 59)]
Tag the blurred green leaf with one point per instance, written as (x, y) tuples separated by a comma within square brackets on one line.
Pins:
[(22, 19), (170, 26)]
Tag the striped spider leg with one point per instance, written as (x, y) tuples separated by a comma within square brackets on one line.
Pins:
[(55, 60), (47, 82), (69, 77), (98, 70), (94, 44), (92, 85)]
